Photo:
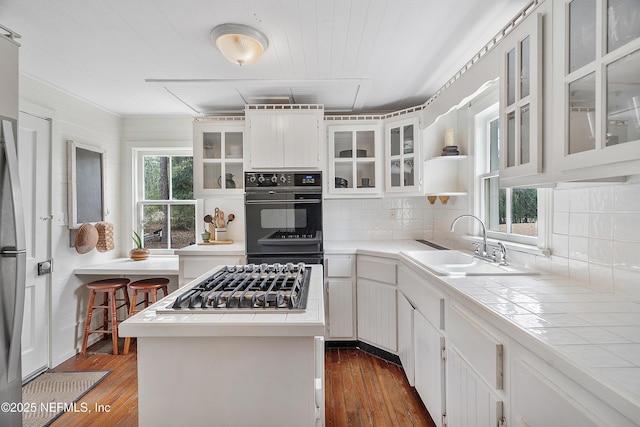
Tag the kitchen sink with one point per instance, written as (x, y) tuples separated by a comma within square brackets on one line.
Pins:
[(456, 263)]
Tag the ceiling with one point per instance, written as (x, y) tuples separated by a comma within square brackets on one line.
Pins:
[(154, 57)]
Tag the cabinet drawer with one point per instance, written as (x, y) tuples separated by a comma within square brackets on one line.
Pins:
[(338, 266), (424, 297), (482, 350), (378, 269)]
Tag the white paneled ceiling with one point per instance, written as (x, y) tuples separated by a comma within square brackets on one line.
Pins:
[(147, 57)]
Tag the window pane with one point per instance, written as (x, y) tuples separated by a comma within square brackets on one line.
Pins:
[(494, 145), (524, 135), (395, 141), (212, 145), (156, 177), (182, 178), (623, 99), (511, 77), (524, 211), (624, 22), (582, 33), (525, 65), (183, 225), (494, 200), (233, 145), (408, 139), (582, 120), (510, 145), (154, 226)]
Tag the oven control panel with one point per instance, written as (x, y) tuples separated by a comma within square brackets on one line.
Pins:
[(282, 179)]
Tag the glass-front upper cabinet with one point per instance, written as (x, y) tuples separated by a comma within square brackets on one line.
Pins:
[(217, 157), (600, 75), (354, 165), (403, 161), (520, 100)]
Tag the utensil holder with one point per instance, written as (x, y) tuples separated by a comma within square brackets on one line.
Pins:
[(221, 234)]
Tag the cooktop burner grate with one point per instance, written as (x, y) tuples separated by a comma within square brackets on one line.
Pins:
[(250, 287)]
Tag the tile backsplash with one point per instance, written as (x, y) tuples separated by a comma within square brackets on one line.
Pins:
[(596, 235), (595, 230)]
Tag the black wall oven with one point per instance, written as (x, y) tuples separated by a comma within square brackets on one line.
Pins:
[(283, 212)]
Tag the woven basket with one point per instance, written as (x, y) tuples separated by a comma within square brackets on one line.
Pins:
[(86, 238), (105, 236)]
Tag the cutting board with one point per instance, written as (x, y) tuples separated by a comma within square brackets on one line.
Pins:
[(216, 242)]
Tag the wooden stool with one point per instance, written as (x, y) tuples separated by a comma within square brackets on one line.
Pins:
[(147, 287), (108, 287)]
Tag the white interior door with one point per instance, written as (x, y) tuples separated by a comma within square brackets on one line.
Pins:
[(34, 154)]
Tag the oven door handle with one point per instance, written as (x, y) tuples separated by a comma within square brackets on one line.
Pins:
[(284, 202)]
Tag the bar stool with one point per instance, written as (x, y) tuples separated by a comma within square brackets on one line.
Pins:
[(108, 288), (149, 287)]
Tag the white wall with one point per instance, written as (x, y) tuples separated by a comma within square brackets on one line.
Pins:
[(72, 119)]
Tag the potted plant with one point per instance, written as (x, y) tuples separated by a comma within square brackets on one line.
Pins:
[(138, 253)]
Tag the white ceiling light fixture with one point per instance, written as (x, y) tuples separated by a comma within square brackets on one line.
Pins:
[(239, 43)]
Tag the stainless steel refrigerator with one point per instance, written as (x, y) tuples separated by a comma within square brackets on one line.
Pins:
[(12, 277)]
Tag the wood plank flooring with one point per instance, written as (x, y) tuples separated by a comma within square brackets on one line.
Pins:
[(361, 390)]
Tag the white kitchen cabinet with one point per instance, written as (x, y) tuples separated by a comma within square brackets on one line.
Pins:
[(521, 100), (470, 401), (218, 147), (537, 401), (427, 341), (477, 343), (429, 366), (403, 161), (355, 166), (405, 337), (193, 266), (288, 137), (340, 302), (377, 302), (596, 74)]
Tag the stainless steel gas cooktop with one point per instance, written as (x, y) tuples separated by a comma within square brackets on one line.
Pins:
[(253, 288)]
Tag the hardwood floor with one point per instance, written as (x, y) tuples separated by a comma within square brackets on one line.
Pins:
[(361, 390)]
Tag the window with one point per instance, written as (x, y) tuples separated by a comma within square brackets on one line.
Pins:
[(165, 206), (509, 213)]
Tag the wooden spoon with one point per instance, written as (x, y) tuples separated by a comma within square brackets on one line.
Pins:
[(230, 218)]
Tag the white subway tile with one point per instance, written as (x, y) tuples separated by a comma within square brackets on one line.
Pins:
[(627, 198), (626, 255), (601, 199), (561, 200), (578, 248), (579, 200), (561, 222), (579, 224), (626, 227), (601, 251), (601, 226)]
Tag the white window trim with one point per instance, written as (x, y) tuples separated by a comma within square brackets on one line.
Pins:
[(138, 154), (481, 111)]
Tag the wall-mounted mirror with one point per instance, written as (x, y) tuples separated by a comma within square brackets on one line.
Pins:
[(86, 198)]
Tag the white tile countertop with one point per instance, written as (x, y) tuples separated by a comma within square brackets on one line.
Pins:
[(150, 323), (587, 334), (235, 248), (155, 264), (384, 248)]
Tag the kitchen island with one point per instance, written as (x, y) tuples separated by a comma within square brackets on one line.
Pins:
[(231, 367)]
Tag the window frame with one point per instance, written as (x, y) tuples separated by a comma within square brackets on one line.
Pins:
[(483, 111), (139, 202)]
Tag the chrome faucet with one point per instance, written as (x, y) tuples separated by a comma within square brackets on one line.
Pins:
[(484, 253)]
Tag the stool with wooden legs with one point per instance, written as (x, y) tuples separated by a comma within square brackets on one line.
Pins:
[(108, 288), (150, 288)]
